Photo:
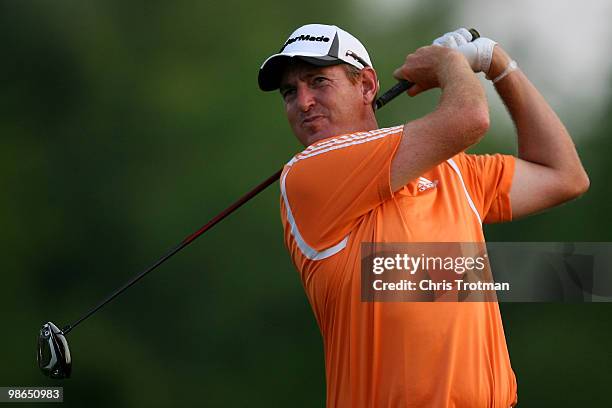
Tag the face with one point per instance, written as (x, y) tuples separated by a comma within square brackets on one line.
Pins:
[(322, 102)]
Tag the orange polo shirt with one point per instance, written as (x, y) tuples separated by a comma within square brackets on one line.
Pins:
[(335, 195)]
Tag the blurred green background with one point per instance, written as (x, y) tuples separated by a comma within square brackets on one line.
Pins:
[(126, 125)]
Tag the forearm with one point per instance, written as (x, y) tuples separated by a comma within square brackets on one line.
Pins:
[(541, 136), (462, 116), (463, 107), (459, 121)]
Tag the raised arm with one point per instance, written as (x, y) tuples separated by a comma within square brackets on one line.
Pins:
[(548, 170), (459, 121)]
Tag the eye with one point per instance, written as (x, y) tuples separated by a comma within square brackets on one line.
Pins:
[(319, 80), (287, 92)]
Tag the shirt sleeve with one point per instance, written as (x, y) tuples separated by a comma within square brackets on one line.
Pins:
[(331, 184), (488, 179)]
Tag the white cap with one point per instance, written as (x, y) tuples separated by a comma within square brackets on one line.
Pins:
[(318, 44)]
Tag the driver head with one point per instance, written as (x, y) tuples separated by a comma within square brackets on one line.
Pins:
[(53, 354)]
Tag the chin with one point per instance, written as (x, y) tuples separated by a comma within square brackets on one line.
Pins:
[(314, 136)]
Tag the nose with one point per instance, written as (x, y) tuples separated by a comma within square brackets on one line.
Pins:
[(305, 98)]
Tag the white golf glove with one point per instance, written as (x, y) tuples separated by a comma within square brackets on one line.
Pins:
[(478, 52)]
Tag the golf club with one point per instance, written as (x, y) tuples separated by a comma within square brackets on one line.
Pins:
[(54, 358)]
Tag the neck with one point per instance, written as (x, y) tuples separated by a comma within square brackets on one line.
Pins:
[(365, 125)]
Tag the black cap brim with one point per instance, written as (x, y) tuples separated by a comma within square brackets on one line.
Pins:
[(271, 72)]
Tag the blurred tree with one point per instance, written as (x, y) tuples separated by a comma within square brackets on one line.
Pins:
[(125, 126)]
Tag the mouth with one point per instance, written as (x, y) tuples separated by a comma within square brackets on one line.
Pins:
[(307, 121)]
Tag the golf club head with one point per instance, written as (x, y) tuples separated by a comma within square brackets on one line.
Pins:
[(53, 353)]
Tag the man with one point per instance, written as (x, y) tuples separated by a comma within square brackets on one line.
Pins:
[(357, 183)]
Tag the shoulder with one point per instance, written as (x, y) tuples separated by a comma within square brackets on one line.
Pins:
[(477, 161), (341, 144)]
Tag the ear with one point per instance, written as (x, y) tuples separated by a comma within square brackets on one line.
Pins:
[(369, 85)]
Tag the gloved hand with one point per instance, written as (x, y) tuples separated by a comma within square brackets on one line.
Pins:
[(478, 52)]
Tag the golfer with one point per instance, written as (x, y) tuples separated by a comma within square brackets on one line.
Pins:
[(356, 182)]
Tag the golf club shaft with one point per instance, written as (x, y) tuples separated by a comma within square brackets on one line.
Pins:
[(189, 239), (385, 98)]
